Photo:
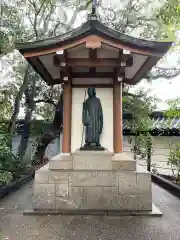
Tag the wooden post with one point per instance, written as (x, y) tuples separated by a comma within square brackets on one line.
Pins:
[(67, 111), (117, 116)]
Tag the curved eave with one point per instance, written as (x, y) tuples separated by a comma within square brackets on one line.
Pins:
[(97, 28)]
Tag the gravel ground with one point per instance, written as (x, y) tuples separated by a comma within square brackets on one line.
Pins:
[(15, 226)]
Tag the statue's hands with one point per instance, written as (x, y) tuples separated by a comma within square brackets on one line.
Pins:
[(86, 122)]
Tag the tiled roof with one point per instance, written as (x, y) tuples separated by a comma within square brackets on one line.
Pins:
[(161, 123)]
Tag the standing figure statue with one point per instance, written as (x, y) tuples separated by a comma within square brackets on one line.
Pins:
[(92, 118)]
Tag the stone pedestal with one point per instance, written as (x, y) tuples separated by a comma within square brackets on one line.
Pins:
[(92, 181)]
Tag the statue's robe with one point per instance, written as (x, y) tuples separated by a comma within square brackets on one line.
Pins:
[(92, 120)]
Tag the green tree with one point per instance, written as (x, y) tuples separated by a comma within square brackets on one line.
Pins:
[(173, 110), (169, 15), (45, 19), (12, 28), (140, 106)]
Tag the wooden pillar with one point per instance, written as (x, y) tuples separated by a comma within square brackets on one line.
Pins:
[(117, 116), (67, 111)]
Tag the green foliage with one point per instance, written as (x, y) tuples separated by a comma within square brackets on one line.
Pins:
[(174, 161), (169, 15), (142, 146), (3, 128), (174, 155), (12, 27), (10, 166), (6, 97), (140, 105), (173, 108), (46, 111), (146, 145), (5, 177), (133, 17)]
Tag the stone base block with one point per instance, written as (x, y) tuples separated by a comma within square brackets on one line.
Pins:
[(93, 178), (155, 212), (121, 157), (61, 161), (92, 189), (124, 165), (123, 162), (92, 160)]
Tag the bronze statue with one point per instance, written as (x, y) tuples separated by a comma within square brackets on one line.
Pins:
[(92, 118)]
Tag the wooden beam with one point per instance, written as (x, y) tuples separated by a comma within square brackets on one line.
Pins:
[(93, 42), (124, 58), (40, 68), (121, 69), (67, 95), (99, 62), (64, 71), (93, 75), (58, 58), (117, 116), (93, 56), (92, 85), (149, 63), (94, 63)]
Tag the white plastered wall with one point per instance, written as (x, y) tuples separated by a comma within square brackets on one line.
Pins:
[(106, 97)]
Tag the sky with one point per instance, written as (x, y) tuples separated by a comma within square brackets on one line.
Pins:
[(161, 88)]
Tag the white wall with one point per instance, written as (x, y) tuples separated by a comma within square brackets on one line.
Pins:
[(106, 97)]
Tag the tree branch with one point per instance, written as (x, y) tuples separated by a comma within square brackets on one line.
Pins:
[(45, 101), (132, 94), (18, 100), (78, 9), (40, 8), (47, 19), (67, 26), (161, 75), (167, 69)]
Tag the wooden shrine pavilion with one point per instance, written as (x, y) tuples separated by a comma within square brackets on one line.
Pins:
[(93, 55)]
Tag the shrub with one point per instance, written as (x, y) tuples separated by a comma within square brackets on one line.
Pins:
[(5, 177), (10, 166), (142, 145), (174, 161)]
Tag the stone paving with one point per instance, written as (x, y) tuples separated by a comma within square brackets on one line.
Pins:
[(15, 226)]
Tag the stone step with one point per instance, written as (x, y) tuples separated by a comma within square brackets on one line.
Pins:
[(124, 162), (124, 165), (92, 160), (61, 162)]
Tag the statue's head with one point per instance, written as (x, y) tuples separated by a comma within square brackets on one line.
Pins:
[(91, 92)]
